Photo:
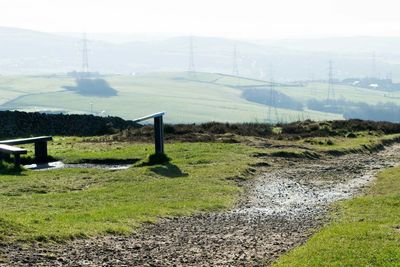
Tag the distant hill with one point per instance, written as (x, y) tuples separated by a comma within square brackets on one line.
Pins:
[(31, 52), (207, 97)]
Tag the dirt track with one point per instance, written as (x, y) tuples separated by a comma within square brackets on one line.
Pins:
[(281, 209)]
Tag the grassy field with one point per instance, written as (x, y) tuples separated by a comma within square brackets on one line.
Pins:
[(209, 98), (65, 203), (206, 97), (58, 205), (12, 87), (366, 231)]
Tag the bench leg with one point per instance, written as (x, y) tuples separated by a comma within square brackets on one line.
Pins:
[(41, 152), (17, 160), (159, 135), (5, 157)]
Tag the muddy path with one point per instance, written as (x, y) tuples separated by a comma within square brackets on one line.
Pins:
[(282, 207)]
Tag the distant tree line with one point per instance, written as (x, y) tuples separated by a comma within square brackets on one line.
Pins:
[(358, 110), (24, 124), (271, 97), (92, 87), (331, 106), (380, 112)]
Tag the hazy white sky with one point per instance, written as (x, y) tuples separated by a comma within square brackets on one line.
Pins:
[(260, 19)]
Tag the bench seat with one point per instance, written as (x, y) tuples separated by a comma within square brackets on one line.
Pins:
[(13, 150), (29, 140), (40, 146)]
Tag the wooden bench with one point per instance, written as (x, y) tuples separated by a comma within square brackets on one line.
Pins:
[(40, 146), (12, 150)]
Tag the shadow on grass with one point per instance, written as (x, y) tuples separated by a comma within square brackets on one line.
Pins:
[(27, 160), (108, 161), (163, 167), (7, 168), (169, 170), (155, 159)]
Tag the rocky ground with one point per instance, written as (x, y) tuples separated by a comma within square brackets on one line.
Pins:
[(282, 207)]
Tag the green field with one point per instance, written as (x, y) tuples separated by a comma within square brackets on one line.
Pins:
[(365, 233), (12, 87), (65, 203), (209, 98)]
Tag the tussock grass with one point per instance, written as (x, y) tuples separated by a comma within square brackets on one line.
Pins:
[(337, 145)]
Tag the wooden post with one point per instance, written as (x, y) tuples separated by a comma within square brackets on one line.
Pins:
[(159, 134), (41, 152), (158, 130)]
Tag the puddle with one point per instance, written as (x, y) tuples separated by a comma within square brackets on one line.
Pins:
[(61, 165), (45, 166)]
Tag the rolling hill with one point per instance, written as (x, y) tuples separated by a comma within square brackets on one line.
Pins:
[(210, 97), (30, 52)]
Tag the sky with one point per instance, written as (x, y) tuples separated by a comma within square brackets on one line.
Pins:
[(241, 19)]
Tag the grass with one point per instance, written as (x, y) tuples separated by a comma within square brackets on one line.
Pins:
[(68, 203), (293, 153), (211, 97), (315, 147), (12, 87), (366, 231)]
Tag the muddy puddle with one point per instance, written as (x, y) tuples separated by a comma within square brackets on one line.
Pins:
[(61, 165)]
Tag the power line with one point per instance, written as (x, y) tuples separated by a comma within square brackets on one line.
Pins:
[(85, 57), (235, 68), (331, 89), (191, 67), (272, 110)]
